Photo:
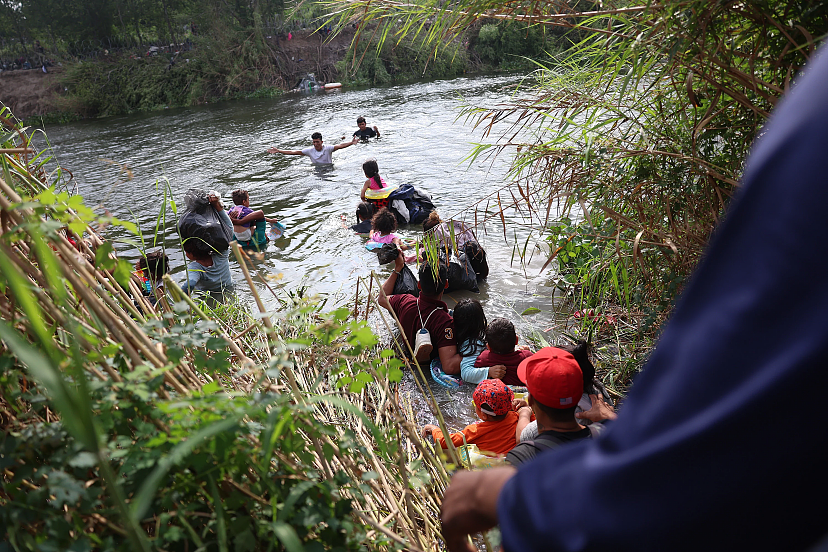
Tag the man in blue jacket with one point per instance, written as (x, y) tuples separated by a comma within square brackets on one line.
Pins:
[(719, 445)]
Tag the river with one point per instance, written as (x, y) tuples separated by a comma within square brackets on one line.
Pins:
[(119, 162)]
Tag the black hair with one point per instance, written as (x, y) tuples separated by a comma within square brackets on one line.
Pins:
[(371, 170), (197, 248), (493, 418), (360, 120), (364, 211), (316, 136), (469, 321), (432, 221), (500, 335), (557, 414), (432, 283), (239, 196), (155, 263), (384, 221), (580, 351)]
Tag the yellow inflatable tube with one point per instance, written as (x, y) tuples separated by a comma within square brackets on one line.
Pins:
[(380, 194)]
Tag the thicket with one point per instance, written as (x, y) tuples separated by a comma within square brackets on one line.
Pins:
[(627, 148), (186, 426)]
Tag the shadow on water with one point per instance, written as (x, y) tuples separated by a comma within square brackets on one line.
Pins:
[(222, 147)]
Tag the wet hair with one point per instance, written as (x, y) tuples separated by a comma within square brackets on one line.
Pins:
[(500, 336), (384, 222), (316, 136), (432, 221), (469, 321), (432, 283), (197, 248), (580, 351), (155, 263), (371, 170), (364, 211), (360, 120), (239, 196)]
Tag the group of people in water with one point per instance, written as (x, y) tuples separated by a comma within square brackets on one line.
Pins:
[(457, 346)]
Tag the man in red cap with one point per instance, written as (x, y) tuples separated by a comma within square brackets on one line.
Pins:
[(555, 383)]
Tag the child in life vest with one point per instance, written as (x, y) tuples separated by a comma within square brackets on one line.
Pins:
[(501, 341), (495, 432), (383, 225), (374, 182)]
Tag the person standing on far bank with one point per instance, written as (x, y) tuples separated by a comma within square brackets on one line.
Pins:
[(319, 154)]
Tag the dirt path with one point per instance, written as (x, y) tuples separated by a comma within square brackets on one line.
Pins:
[(30, 91)]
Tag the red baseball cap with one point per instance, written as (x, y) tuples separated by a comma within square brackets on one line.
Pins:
[(553, 377), (493, 397)]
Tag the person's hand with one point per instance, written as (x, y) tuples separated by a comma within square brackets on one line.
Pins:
[(399, 262), (524, 347), (470, 505), (271, 220), (497, 371), (599, 412), (525, 412), (517, 404), (355, 140), (234, 215), (427, 429), (215, 201), (274, 150)]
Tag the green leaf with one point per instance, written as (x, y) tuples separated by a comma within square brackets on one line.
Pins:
[(66, 489), (84, 460), (122, 273), (102, 256), (287, 536), (530, 310)]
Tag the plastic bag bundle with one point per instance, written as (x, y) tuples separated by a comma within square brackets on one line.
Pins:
[(406, 283), (202, 225)]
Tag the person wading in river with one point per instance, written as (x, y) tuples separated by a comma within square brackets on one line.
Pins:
[(426, 311), (319, 154)]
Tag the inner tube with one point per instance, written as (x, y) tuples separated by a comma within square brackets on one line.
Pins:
[(446, 380), (381, 193), (333, 85)]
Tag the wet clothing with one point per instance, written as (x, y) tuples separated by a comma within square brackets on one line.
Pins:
[(439, 325), (258, 236), (368, 132), (470, 351), (688, 464), (363, 227), (497, 437), (388, 238), (488, 358), (319, 157), (216, 278), (374, 186), (239, 212), (527, 450)]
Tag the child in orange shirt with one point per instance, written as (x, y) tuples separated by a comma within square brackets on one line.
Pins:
[(496, 430)]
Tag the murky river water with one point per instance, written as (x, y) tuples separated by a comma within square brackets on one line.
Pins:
[(222, 147)]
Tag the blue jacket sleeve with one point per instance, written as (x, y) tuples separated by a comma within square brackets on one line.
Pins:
[(468, 372), (705, 453)]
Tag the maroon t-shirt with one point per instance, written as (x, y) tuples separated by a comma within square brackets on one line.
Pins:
[(511, 361), (440, 325)]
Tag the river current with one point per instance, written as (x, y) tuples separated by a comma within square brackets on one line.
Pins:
[(121, 164)]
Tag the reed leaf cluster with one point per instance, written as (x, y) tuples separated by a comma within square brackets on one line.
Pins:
[(626, 149), (183, 424)]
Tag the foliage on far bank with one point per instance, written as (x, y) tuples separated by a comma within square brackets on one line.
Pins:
[(184, 425)]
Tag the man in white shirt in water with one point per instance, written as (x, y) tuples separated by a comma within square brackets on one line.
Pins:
[(318, 153)]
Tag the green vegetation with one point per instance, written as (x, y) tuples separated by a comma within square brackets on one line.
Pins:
[(636, 136), (185, 426)]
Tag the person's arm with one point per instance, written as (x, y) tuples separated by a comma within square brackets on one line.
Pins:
[(364, 189), (456, 438), (377, 131), (388, 286), (285, 152), (450, 359), (599, 412), (346, 144), (524, 417), (250, 217), (470, 505)]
